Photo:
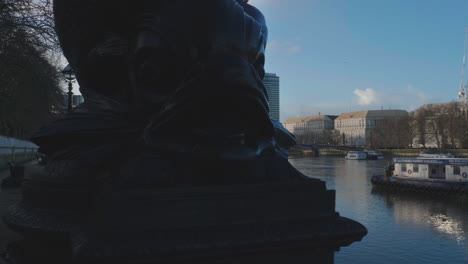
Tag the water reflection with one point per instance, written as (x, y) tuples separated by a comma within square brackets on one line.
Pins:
[(444, 224), (403, 228), (445, 215)]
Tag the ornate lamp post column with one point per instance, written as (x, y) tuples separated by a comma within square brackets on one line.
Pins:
[(70, 77)]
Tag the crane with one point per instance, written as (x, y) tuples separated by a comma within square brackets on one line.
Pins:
[(462, 92)]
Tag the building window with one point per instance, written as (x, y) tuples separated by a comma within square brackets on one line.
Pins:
[(416, 168), (456, 170), (403, 168)]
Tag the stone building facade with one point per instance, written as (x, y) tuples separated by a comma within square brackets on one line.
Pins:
[(355, 127), (303, 125), (272, 84)]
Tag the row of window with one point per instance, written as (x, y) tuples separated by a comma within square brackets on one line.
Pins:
[(356, 123), (456, 168), (310, 125), (415, 168)]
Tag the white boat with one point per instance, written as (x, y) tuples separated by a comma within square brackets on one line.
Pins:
[(356, 155), (435, 155), (447, 174), (373, 155)]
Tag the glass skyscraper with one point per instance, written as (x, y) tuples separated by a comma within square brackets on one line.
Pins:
[(272, 83)]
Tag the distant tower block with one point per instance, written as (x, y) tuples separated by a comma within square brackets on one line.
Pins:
[(272, 83)]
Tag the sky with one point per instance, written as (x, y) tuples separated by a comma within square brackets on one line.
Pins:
[(336, 56)]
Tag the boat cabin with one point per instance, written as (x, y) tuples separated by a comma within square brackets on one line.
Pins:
[(449, 169), (356, 155)]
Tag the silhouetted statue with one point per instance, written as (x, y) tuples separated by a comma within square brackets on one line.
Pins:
[(174, 138), (178, 80)]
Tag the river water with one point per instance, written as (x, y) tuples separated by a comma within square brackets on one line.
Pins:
[(403, 227)]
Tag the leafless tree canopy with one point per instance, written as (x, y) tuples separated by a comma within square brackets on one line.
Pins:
[(326, 137), (441, 126), (29, 82), (33, 17), (393, 133)]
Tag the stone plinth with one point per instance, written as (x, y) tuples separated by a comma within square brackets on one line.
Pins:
[(278, 223)]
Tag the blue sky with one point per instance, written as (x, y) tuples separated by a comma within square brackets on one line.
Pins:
[(336, 56)]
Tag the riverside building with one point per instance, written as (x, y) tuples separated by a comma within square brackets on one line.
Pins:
[(272, 84), (312, 129), (310, 124), (355, 127)]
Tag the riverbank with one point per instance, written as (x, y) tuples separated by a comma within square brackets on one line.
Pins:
[(462, 153)]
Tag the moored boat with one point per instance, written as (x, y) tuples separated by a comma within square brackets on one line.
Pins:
[(436, 155), (449, 175), (356, 155), (373, 155)]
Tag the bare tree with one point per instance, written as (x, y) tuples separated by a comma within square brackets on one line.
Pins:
[(452, 116), (412, 129), (462, 128), (382, 134), (33, 17), (323, 137), (29, 89), (421, 127)]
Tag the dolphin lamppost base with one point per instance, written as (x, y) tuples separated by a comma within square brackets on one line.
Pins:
[(292, 222), (173, 157)]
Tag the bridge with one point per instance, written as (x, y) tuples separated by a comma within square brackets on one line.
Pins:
[(316, 147)]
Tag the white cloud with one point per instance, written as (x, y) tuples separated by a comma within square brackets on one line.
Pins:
[(366, 97), (284, 47)]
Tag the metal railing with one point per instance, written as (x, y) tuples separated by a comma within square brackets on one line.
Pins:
[(16, 155), (13, 149)]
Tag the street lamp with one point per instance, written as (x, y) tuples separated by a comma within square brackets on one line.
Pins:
[(70, 77)]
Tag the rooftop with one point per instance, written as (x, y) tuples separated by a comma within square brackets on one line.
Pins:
[(309, 118), (373, 113), (270, 74), (459, 104)]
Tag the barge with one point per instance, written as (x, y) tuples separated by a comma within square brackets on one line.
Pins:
[(446, 175)]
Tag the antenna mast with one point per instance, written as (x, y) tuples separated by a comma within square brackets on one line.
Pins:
[(462, 92)]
